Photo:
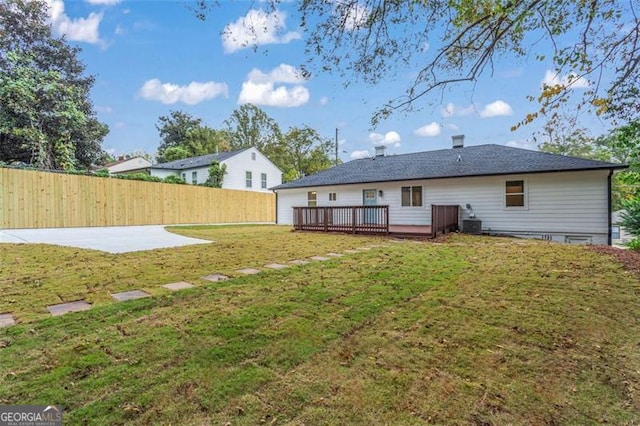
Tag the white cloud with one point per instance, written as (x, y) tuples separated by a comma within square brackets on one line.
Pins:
[(452, 109), (282, 74), (452, 126), (260, 88), (388, 139), (429, 130), (119, 30), (257, 28), (194, 93), (496, 109), (570, 81), (523, 143), (79, 29), (324, 100), (103, 2), (359, 154), (354, 15)]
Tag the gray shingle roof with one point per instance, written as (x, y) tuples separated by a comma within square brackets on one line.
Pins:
[(480, 160), (200, 161)]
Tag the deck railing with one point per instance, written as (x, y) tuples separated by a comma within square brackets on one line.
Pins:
[(353, 219), (443, 219)]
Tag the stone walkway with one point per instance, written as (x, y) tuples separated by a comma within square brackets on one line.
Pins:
[(7, 319)]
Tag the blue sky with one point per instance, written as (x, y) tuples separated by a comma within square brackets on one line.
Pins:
[(151, 57)]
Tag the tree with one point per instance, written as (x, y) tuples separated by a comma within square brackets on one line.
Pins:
[(174, 153), (300, 152), (46, 116), (174, 131), (251, 126), (450, 42), (205, 140), (216, 175)]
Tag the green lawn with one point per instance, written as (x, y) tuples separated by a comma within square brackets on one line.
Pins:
[(471, 331)]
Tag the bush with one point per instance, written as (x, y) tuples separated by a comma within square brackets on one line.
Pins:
[(634, 244), (174, 179), (138, 176), (631, 216)]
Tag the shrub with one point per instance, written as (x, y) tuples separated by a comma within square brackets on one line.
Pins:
[(631, 216), (634, 244), (138, 176), (174, 179)]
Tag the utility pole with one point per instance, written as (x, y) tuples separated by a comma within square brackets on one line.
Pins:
[(336, 146)]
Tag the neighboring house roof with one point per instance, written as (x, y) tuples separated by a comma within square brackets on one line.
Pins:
[(480, 160), (126, 164), (200, 161)]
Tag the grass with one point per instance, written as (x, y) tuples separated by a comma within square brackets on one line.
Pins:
[(472, 331)]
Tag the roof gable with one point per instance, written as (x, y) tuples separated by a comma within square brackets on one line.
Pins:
[(480, 160), (199, 161)]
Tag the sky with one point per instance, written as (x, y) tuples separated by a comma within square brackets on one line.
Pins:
[(152, 57)]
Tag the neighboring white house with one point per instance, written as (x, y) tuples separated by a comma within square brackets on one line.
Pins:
[(512, 191), (129, 165), (247, 169), (619, 235)]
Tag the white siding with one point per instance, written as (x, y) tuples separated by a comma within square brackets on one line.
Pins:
[(558, 204), (237, 166)]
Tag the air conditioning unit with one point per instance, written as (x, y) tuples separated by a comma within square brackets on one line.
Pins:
[(472, 226)]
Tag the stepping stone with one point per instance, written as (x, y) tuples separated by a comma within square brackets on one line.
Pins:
[(320, 258), (249, 271), (215, 277), (351, 251), (178, 286), (275, 266), (6, 320), (63, 308), (129, 295), (335, 254), (299, 262)]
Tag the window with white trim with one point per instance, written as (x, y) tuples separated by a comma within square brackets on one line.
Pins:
[(312, 199), (253, 156), (411, 196), (514, 193), (194, 178), (333, 196), (248, 179), (263, 180)]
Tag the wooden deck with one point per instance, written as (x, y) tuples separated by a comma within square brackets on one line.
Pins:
[(372, 220)]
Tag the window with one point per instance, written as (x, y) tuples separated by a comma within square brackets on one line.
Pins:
[(263, 181), (312, 197), (194, 178), (253, 156), (615, 232), (333, 196), (184, 177), (514, 195), (411, 196), (248, 179)]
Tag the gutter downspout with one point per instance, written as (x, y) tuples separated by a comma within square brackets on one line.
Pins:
[(609, 207), (276, 192)]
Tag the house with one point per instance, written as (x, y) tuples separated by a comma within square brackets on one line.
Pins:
[(128, 165), (507, 191), (247, 169)]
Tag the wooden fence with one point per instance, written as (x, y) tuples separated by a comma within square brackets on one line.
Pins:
[(444, 219), (354, 219), (33, 199)]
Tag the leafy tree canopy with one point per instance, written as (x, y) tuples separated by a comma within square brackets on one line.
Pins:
[(46, 117), (454, 41), (300, 152), (251, 126)]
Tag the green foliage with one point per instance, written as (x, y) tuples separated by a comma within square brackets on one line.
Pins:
[(174, 130), (371, 40), (300, 152), (216, 175), (138, 176), (631, 216), (175, 153), (251, 126), (46, 118), (634, 244), (174, 179)]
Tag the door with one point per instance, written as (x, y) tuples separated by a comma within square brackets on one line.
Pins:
[(369, 198)]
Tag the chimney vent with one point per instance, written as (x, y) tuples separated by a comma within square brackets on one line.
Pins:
[(380, 151), (457, 141)]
